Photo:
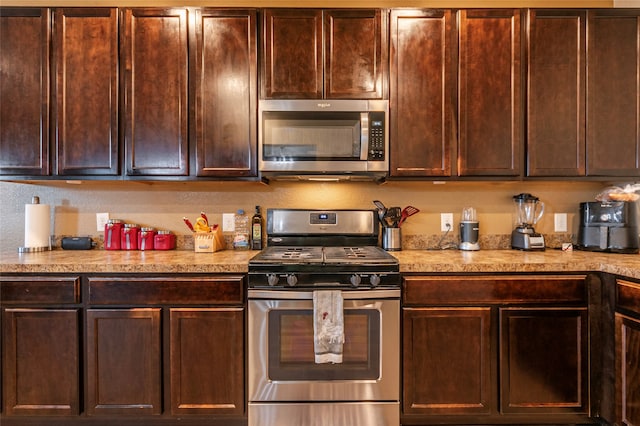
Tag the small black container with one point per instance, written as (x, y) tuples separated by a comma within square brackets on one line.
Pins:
[(77, 243)]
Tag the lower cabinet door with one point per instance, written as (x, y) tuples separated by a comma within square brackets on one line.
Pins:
[(124, 370), (628, 370), (40, 359), (544, 360), (447, 361), (207, 367)]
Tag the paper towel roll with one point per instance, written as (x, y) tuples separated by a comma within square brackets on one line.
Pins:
[(37, 225)]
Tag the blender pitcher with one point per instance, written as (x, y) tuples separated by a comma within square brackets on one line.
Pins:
[(528, 211)]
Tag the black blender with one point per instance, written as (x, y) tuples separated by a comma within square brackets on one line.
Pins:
[(528, 211)]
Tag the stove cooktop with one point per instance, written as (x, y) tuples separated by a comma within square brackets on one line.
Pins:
[(323, 267), (323, 249), (323, 255)]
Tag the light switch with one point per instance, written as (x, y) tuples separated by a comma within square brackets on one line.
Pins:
[(560, 222)]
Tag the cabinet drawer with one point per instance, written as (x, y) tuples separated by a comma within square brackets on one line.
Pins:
[(422, 290), (225, 290), (628, 296), (40, 290)]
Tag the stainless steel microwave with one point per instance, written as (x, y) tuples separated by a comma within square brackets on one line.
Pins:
[(323, 139)]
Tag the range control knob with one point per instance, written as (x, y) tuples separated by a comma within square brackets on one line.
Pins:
[(355, 280), (292, 280), (374, 280), (272, 279)]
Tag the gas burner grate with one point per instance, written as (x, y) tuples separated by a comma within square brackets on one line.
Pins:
[(354, 252), (358, 254), (290, 254), (296, 253)]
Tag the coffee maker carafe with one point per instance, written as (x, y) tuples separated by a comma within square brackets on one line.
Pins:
[(528, 211)]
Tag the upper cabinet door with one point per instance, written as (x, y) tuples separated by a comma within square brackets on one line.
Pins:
[(355, 54), (292, 54), (613, 93), (85, 105), (225, 92), (421, 93), (351, 64), (556, 93), (490, 93), (155, 70), (24, 91)]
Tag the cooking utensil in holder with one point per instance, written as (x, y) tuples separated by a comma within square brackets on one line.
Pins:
[(391, 239)]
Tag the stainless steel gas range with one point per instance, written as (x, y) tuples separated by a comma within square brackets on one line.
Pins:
[(312, 255)]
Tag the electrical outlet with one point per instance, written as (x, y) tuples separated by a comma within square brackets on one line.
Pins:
[(446, 222), (560, 222), (228, 222), (101, 220)]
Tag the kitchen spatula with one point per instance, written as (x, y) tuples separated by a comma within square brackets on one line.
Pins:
[(406, 212)]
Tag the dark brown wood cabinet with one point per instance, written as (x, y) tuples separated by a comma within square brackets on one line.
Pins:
[(124, 369), (355, 54), (544, 362), (313, 53), (206, 371), (41, 362), (85, 91), (291, 58), (179, 340), (24, 91), (583, 94), (40, 346), (476, 349), (155, 67), (627, 355), (422, 84), (224, 64), (490, 94), (613, 93), (556, 93), (447, 354), (126, 349)]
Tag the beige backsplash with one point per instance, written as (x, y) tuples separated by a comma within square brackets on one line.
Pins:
[(163, 204)]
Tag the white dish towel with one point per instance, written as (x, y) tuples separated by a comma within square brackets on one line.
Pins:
[(328, 326)]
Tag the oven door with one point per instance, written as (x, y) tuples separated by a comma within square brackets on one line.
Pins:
[(281, 354)]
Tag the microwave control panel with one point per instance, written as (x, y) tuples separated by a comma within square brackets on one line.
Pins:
[(376, 136)]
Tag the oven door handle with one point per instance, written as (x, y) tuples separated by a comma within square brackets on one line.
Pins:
[(308, 295)]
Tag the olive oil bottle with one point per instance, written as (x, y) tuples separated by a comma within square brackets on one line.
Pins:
[(256, 230)]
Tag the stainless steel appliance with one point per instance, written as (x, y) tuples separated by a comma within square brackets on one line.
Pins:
[(309, 251), (323, 139), (609, 226), (528, 211)]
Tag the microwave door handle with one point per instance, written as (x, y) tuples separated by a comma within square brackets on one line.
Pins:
[(364, 136)]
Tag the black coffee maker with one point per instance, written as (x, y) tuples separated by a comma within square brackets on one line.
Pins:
[(608, 227)]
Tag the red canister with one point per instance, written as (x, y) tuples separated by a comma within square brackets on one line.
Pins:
[(112, 232), (145, 238), (164, 240), (129, 237)]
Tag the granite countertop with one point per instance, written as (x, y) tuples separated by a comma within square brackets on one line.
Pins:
[(229, 261)]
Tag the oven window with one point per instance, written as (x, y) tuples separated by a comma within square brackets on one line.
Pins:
[(291, 355), (307, 136)]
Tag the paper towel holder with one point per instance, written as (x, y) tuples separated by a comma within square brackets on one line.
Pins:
[(35, 200)]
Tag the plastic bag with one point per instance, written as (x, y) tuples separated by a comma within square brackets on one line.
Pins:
[(617, 193)]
